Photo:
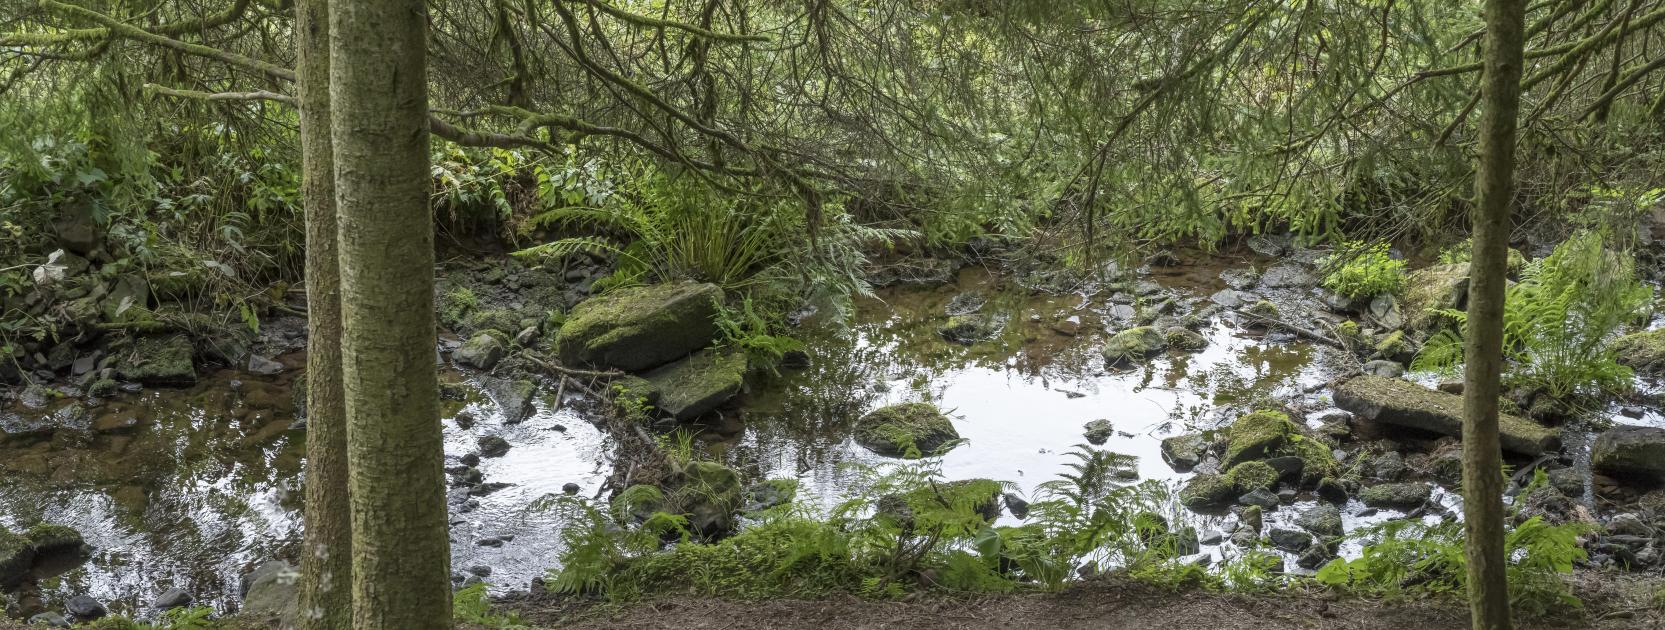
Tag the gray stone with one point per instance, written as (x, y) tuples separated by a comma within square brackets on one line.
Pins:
[(1630, 453), (1398, 496), (171, 599), (1240, 278), (1287, 276), (1098, 431), (493, 446), (482, 351), (50, 620), (263, 366), (1291, 540), (1384, 310), (1323, 519), (1134, 345), (84, 608), (696, 385), (1385, 368), (1261, 498), (1403, 403), (1184, 452), (514, 397), (271, 590)]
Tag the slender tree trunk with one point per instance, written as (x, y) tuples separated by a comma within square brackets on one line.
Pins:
[(327, 562), (1494, 189), (379, 108)]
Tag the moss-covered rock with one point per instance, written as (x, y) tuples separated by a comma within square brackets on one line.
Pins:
[(162, 360), (1184, 452), (694, 386), (1250, 476), (1323, 519), (1256, 435), (17, 556), (906, 429), (1432, 289), (53, 540), (1406, 404), (482, 351), (1205, 491), (1397, 496), (1644, 352), (1134, 345), (637, 328), (971, 328), (1631, 452), (1182, 338), (709, 494)]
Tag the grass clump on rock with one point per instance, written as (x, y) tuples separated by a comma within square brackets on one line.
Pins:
[(908, 430)]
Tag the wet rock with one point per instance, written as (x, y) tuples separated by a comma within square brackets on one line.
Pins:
[(514, 397), (708, 493), (972, 328), (271, 590), (465, 419), (1270, 245), (1431, 289), (171, 599), (56, 540), (1288, 276), (1098, 432), (1016, 505), (1252, 518), (481, 352), (770, 493), (1567, 480), (1291, 540), (1184, 452), (470, 459), (17, 557), (1185, 339), (905, 429), (1134, 345), (493, 446), (1068, 327), (528, 337), (1256, 435), (158, 361), (1630, 453), (570, 488), (479, 570), (1314, 557), (50, 620), (1397, 496), (1329, 489), (1249, 476), (696, 385), (1205, 491), (1387, 466), (1212, 537), (1451, 386), (1384, 310), (638, 328), (1384, 368), (1240, 278), (1403, 403), (1261, 498), (263, 366), (84, 608), (1323, 519), (1644, 352), (1231, 298), (1628, 524)]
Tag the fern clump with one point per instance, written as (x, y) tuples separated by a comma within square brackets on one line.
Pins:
[(1364, 271), (1559, 322)]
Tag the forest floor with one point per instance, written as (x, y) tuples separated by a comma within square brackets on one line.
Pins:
[(1100, 605)]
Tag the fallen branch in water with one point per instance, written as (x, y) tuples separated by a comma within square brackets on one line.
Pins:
[(1297, 330)]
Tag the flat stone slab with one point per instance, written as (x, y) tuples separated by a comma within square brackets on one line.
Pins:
[(1406, 404)]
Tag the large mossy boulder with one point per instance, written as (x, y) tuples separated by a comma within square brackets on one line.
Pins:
[(1431, 289), (17, 557), (693, 386), (1644, 351), (161, 360), (1629, 452), (1271, 436), (638, 328), (1134, 345), (906, 429), (1405, 404)]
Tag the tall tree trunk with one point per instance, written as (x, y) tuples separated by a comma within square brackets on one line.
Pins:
[(379, 110), (1483, 354), (326, 597)]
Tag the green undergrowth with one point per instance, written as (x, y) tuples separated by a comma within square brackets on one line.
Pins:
[(1409, 557), (1360, 271)]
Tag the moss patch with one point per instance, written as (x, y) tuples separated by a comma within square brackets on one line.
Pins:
[(1206, 491), (1644, 352), (1134, 345), (1250, 476), (698, 384), (1257, 435), (1406, 404), (158, 361), (51, 539), (17, 555)]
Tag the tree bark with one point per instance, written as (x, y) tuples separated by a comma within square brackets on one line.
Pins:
[(1483, 351), (326, 595), (379, 103)]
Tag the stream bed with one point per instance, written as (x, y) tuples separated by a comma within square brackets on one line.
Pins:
[(190, 488)]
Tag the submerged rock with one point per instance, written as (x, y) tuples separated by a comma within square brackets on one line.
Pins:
[(158, 361), (1630, 452), (971, 328), (1134, 345), (1406, 404), (894, 429), (638, 328), (1240, 278), (1182, 338), (691, 387), (1287, 276)]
